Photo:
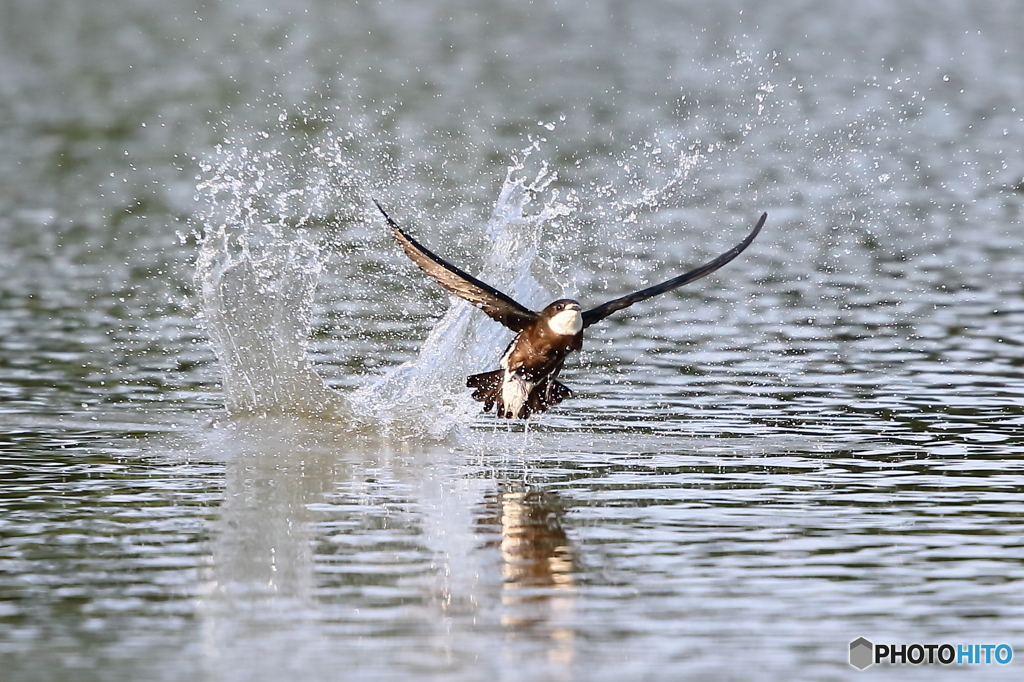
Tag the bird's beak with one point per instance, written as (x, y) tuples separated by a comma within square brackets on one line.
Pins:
[(574, 306)]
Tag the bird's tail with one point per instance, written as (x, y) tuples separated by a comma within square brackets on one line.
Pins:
[(487, 387), (546, 393)]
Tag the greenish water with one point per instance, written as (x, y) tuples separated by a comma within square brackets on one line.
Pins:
[(820, 442)]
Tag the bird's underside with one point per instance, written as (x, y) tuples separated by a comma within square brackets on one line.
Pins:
[(527, 378)]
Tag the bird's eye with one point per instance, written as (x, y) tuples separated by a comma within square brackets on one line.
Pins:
[(559, 306)]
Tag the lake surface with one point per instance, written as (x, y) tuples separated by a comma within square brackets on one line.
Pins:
[(233, 442)]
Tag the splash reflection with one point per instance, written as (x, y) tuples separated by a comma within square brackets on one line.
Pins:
[(260, 592)]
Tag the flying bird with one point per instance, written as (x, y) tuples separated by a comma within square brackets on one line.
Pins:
[(526, 380)]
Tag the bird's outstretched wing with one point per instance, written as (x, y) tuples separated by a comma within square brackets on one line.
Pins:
[(602, 311), (500, 307)]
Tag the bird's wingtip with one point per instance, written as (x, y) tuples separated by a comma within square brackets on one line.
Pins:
[(384, 213)]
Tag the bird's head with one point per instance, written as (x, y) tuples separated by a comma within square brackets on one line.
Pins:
[(563, 317)]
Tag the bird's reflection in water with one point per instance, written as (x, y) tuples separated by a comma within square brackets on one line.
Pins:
[(537, 566)]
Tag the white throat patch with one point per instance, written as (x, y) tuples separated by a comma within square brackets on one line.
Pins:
[(566, 323)]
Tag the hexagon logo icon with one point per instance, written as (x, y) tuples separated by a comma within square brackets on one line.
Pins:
[(862, 653)]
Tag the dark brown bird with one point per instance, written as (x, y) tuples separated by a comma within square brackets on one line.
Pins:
[(527, 378)]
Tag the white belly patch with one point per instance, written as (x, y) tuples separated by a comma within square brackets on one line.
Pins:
[(515, 391)]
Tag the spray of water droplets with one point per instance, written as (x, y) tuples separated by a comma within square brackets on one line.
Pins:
[(257, 271)]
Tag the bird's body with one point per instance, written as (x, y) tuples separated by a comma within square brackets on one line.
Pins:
[(526, 380)]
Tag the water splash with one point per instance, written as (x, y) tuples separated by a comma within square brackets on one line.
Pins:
[(431, 390), (257, 294), (257, 275)]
